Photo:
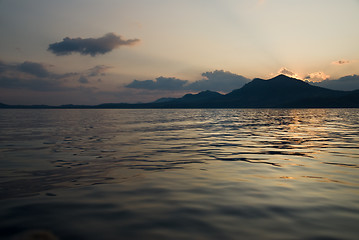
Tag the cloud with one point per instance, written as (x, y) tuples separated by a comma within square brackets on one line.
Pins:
[(29, 75), (3, 66), (30, 69), (83, 79), (218, 80), (36, 77), (90, 46), (287, 72), (346, 83), (35, 69), (317, 77), (161, 83), (341, 62), (98, 70)]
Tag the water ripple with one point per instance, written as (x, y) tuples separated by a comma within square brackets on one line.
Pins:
[(180, 174)]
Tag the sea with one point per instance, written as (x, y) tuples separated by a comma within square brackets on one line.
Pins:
[(196, 174)]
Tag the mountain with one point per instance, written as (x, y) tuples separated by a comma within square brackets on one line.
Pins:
[(3, 105), (346, 83), (203, 99), (279, 92), (161, 100)]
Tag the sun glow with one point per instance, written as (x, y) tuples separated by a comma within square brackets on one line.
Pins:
[(317, 77), (289, 73)]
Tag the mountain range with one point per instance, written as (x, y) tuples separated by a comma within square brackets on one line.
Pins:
[(279, 92)]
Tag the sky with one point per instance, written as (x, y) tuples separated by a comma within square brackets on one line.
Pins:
[(92, 51)]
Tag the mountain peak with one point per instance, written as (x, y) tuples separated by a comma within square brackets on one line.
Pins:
[(278, 91), (278, 82), (282, 77), (208, 92), (279, 78)]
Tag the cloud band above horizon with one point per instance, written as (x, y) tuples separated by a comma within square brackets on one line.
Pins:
[(217, 80)]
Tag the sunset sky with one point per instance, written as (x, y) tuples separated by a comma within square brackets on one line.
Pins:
[(91, 51)]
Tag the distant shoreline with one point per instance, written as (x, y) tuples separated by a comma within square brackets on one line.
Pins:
[(90, 107)]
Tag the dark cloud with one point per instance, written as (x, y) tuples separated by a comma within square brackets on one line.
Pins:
[(5, 67), (346, 83), (30, 70), (161, 83), (90, 46), (35, 76), (83, 79), (35, 69), (218, 80)]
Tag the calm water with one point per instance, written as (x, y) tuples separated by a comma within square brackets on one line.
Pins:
[(179, 174)]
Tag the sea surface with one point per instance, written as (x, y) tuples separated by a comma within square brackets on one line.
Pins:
[(179, 174)]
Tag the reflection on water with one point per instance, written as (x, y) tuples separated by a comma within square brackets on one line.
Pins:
[(180, 174)]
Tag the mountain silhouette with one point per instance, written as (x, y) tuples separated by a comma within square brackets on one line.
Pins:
[(204, 99), (279, 92)]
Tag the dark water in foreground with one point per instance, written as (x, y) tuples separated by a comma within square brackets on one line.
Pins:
[(180, 174)]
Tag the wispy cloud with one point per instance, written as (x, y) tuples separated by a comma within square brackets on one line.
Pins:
[(341, 62), (83, 80), (98, 70), (90, 46)]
